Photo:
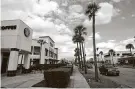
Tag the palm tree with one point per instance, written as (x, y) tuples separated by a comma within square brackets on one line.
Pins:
[(101, 53), (130, 47), (75, 40), (91, 10), (76, 54), (111, 52), (80, 30)]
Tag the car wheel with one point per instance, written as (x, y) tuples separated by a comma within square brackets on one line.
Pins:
[(117, 74), (106, 73)]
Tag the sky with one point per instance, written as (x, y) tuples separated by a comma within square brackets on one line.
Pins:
[(115, 22)]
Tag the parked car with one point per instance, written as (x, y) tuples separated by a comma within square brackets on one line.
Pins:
[(109, 70), (89, 66)]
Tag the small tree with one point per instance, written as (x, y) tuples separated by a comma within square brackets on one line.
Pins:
[(101, 53), (130, 47), (111, 53)]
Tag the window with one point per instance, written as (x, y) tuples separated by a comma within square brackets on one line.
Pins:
[(46, 52), (36, 50), (51, 44), (31, 49)]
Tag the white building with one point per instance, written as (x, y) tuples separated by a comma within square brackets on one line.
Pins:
[(16, 39), (118, 55), (17, 47), (49, 54)]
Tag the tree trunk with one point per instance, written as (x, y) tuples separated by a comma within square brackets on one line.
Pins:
[(102, 59), (78, 57), (84, 57), (112, 60), (81, 56), (94, 49), (130, 51), (40, 53), (111, 55)]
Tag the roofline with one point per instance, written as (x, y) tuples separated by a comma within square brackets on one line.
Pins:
[(10, 20), (19, 20), (45, 37)]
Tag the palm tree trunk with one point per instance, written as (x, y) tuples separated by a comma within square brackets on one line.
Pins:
[(112, 60), (81, 55), (78, 57), (130, 51), (85, 67), (111, 55), (102, 58), (94, 49)]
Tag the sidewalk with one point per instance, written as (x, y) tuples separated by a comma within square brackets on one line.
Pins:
[(21, 81), (28, 80), (77, 80)]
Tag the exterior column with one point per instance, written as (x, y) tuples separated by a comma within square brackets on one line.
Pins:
[(26, 63), (32, 55), (42, 60), (13, 62)]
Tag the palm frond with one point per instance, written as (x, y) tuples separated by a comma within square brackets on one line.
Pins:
[(92, 8)]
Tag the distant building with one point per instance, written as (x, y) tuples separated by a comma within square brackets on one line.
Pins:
[(119, 55), (49, 54)]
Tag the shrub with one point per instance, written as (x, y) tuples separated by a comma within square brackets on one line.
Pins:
[(46, 66), (70, 67), (57, 78), (52, 66)]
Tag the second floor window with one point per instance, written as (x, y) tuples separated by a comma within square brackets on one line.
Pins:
[(51, 44), (46, 52), (36, 50)]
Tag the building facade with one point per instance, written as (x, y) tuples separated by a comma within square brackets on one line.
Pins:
[(43, 48), (18, 48), (16, 39), (122, 55)]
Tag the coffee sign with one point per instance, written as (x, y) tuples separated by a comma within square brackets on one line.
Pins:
[(11, 27)]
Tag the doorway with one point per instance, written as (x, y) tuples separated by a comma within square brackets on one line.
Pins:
[(4, 60)]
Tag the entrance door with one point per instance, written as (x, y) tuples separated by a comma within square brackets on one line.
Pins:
[(4, 65)]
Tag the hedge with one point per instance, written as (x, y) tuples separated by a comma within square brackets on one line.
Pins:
[(57, 78), (69, 66), (46, 66)]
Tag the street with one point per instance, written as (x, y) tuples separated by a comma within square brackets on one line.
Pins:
[(126, 77)]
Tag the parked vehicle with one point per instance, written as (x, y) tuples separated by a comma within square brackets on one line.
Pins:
[(109, 70), (89, 66)]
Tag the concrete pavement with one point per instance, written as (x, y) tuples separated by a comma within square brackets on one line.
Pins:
[(21, 81), (77, 80), (28, 80)]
